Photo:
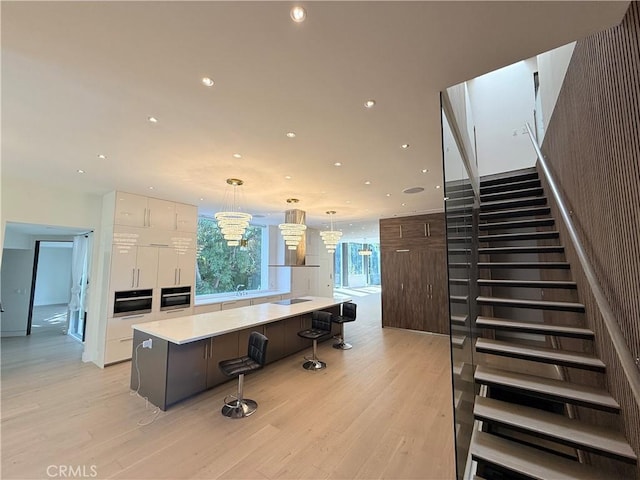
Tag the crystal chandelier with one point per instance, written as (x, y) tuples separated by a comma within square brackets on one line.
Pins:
[(233, 223), (331, 237), (292, 232)]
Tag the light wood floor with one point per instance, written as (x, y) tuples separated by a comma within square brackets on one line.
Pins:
[(380, 410)]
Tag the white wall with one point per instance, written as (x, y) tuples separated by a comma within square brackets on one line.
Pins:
[(24, 201), (502, 102), (53, 280), (552, 68), (17, 268)]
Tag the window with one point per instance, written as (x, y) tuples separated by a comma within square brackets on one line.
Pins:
[(224, 269)]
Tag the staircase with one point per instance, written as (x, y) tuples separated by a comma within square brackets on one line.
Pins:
[(541, 409)]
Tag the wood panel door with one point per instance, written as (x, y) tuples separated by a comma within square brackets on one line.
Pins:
[(437, 316)]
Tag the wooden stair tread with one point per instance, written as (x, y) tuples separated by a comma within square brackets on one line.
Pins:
[(548, 388), (459, 298), (528, 173), (529, 327), (516, 212), (555, 427), (563, 265), (458, 340), (459, 281), (510, 186), (540, 354), (459, 319), (535, 249), (489, 206), (457, 398), (490, 282), (541, 304), (517, 193), (529, 461), (507, 237), (536, 222)]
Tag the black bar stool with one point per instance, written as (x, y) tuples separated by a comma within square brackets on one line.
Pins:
[(238, 406), (320, 327), (348, 315)]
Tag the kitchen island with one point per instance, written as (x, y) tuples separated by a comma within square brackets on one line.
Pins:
[(184, 352)]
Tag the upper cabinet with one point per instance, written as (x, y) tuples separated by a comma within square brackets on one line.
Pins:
[(418, 231), (140, 211)]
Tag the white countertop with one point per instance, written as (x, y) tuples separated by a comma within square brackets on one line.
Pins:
[(204, 325), (222, 298)]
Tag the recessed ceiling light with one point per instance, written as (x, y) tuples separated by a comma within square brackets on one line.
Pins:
[(437, 186), (201, 199), (404, 204), (291, 134), (367, 182), (102, 157), (151, 188), (348, 201), (207, 82), (370, 103), (80, 171), (237, 155), (152, 119), (288, 177), (298, 14), (404, 146), (424, 170), (337, 164), (388, 194)]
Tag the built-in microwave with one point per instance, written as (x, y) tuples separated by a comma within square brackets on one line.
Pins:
[(174, 298), (132, 302)]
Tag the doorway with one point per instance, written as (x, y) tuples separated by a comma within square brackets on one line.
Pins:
[(44, 281)]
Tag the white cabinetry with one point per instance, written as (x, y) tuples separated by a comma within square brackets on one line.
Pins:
[(176, 267), (133, 267), (140, 211)]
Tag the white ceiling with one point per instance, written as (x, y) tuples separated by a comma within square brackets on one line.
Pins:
[(81, 78)]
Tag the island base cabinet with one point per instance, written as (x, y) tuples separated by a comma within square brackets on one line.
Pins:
[(187, 370), (221, 348), (149, 368), (275, 332)]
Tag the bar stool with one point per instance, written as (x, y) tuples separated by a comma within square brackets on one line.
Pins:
[(238, 406), (348, 315), (320, 327)]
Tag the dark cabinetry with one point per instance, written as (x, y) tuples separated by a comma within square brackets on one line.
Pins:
[(413, 270)]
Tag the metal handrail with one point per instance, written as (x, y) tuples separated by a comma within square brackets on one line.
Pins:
[(625, 356)]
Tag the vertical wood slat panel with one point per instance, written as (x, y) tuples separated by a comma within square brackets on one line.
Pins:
[(593, 147)]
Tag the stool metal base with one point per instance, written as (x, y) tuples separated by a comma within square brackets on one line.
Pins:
[(342, 346), (241, 409), (314, 365)]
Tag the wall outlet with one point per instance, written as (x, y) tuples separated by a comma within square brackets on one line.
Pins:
[(147, 343)]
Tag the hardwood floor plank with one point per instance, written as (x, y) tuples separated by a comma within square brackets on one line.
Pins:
[(380, 410)]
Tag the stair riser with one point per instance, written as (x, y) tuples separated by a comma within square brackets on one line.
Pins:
[(518, 185), (514, 214), (529, 192), (521, 177), (514, 284), (537, 332), (524, 266), (511, 204), (541, 359), (554, 308), (518, 237), (542, 222), (519, 250), (554, 398)]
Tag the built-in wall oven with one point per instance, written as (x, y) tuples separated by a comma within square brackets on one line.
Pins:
[(175, 298), (132, 302)]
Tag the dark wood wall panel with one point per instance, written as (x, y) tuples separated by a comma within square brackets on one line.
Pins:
[(593, 147)]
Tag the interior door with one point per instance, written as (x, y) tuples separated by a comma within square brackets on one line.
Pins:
[(392, 268)]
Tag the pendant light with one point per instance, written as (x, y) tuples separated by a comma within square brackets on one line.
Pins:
[(331, 237), (292, 232), (233, 223)]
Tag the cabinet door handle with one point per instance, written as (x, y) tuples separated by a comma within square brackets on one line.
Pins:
[(402, 286), (126, 339), (179, 276), (429, 229), (175, 276), (400, 231), (133, 277), (176, 221), (138, 279), (425, 230), (131, 316), (205, 355)]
